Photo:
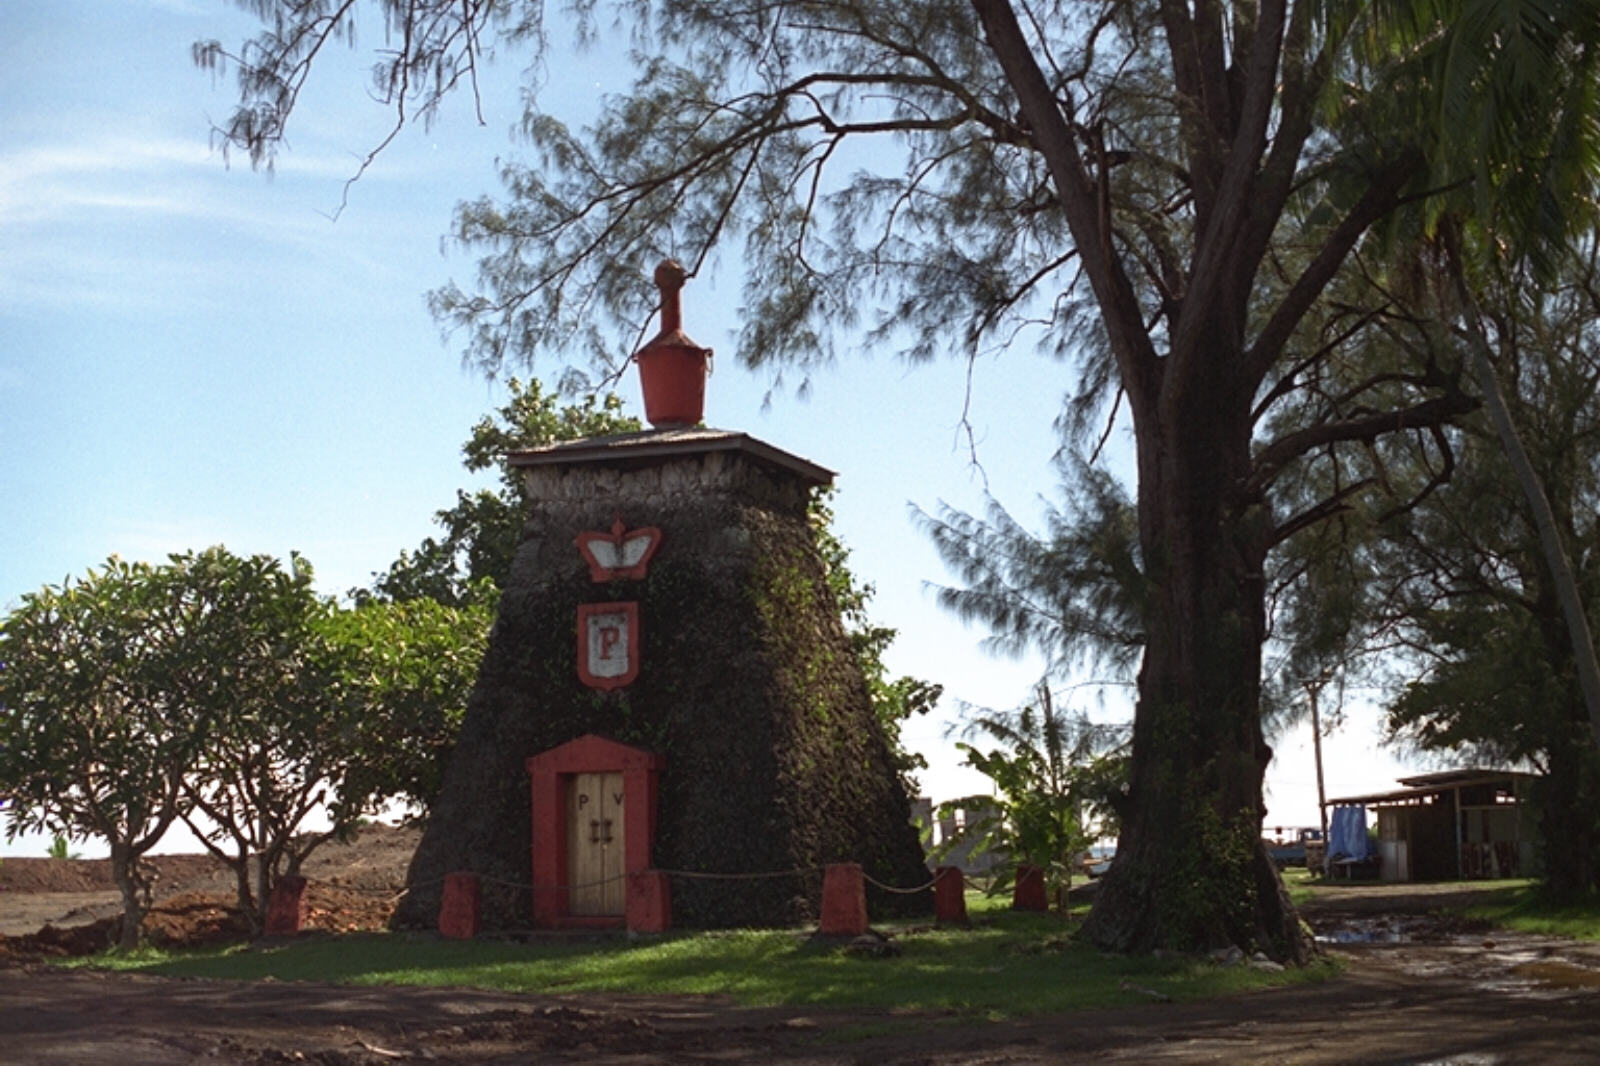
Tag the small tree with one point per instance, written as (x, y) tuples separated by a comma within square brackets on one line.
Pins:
[(224, 692), (1494, 669), (328, 710), (1055, 776), (106, 701), (411, 667), (270, 710)]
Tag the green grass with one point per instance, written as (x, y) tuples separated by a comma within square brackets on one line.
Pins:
[(1005, 964), (1516, 904), (1300, 884), (1522, 907)]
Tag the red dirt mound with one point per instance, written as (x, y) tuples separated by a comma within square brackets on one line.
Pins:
[(195, 919), (352, 888), (94, 875)]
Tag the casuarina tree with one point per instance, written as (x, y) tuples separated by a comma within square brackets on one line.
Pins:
[(1160, 191)]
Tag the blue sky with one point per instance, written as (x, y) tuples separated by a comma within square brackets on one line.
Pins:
[(194, 354)]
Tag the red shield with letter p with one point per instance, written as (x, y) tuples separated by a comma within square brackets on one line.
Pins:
[(608, 644)]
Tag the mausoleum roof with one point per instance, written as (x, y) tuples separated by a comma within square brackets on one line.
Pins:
[(649, 447)]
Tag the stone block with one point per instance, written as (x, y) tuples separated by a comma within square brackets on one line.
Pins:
[(844, 900), (649, 902), (461, 909), (950, 895), (1029, 894), (286, 906)]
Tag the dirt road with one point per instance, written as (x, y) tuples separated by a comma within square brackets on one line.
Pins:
[(1416, 991), (1435, 1004)]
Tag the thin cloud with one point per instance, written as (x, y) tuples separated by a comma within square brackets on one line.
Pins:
[(36, 178), (127, 222)]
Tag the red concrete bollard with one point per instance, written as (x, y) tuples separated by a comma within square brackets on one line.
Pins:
[(649, 902), (285, 909), (461, 908), (1028, 895), (949, 895), (844, 900)]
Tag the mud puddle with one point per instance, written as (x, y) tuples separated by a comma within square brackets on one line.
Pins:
[(1434, 947), (1352, 930)]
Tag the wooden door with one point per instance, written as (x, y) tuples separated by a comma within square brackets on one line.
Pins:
[(595, 884)]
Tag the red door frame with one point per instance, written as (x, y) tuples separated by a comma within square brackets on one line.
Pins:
[(548, 773)]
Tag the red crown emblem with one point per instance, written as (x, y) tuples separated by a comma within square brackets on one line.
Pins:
[(620, 554)]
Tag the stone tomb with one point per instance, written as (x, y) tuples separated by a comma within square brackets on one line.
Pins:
[(668, 597)]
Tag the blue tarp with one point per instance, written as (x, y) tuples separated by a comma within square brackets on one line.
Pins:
[(1347, 834)]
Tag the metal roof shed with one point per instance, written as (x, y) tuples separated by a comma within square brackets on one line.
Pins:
[(1469, 823)]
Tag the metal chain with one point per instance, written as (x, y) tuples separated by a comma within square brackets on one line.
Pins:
[(692, 875), (869, 879)]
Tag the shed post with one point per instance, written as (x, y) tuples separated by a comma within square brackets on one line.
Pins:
[(1460, 816)]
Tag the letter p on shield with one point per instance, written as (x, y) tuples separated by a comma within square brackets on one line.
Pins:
[(608, 644)]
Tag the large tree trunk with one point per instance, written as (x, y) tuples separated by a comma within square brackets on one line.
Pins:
[(1567, 795), (1190, 870), (1569, 825)]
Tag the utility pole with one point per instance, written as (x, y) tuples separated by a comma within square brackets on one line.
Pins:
[(1313, 687), (1312, 690)]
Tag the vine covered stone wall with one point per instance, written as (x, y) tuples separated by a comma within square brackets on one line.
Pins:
[(747, 687)]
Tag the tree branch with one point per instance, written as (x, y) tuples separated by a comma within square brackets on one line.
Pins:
[(1380, 197), (1124, 322), (1271, 460)]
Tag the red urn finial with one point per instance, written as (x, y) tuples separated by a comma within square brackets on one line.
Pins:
[(670, 277), (672, 368)]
